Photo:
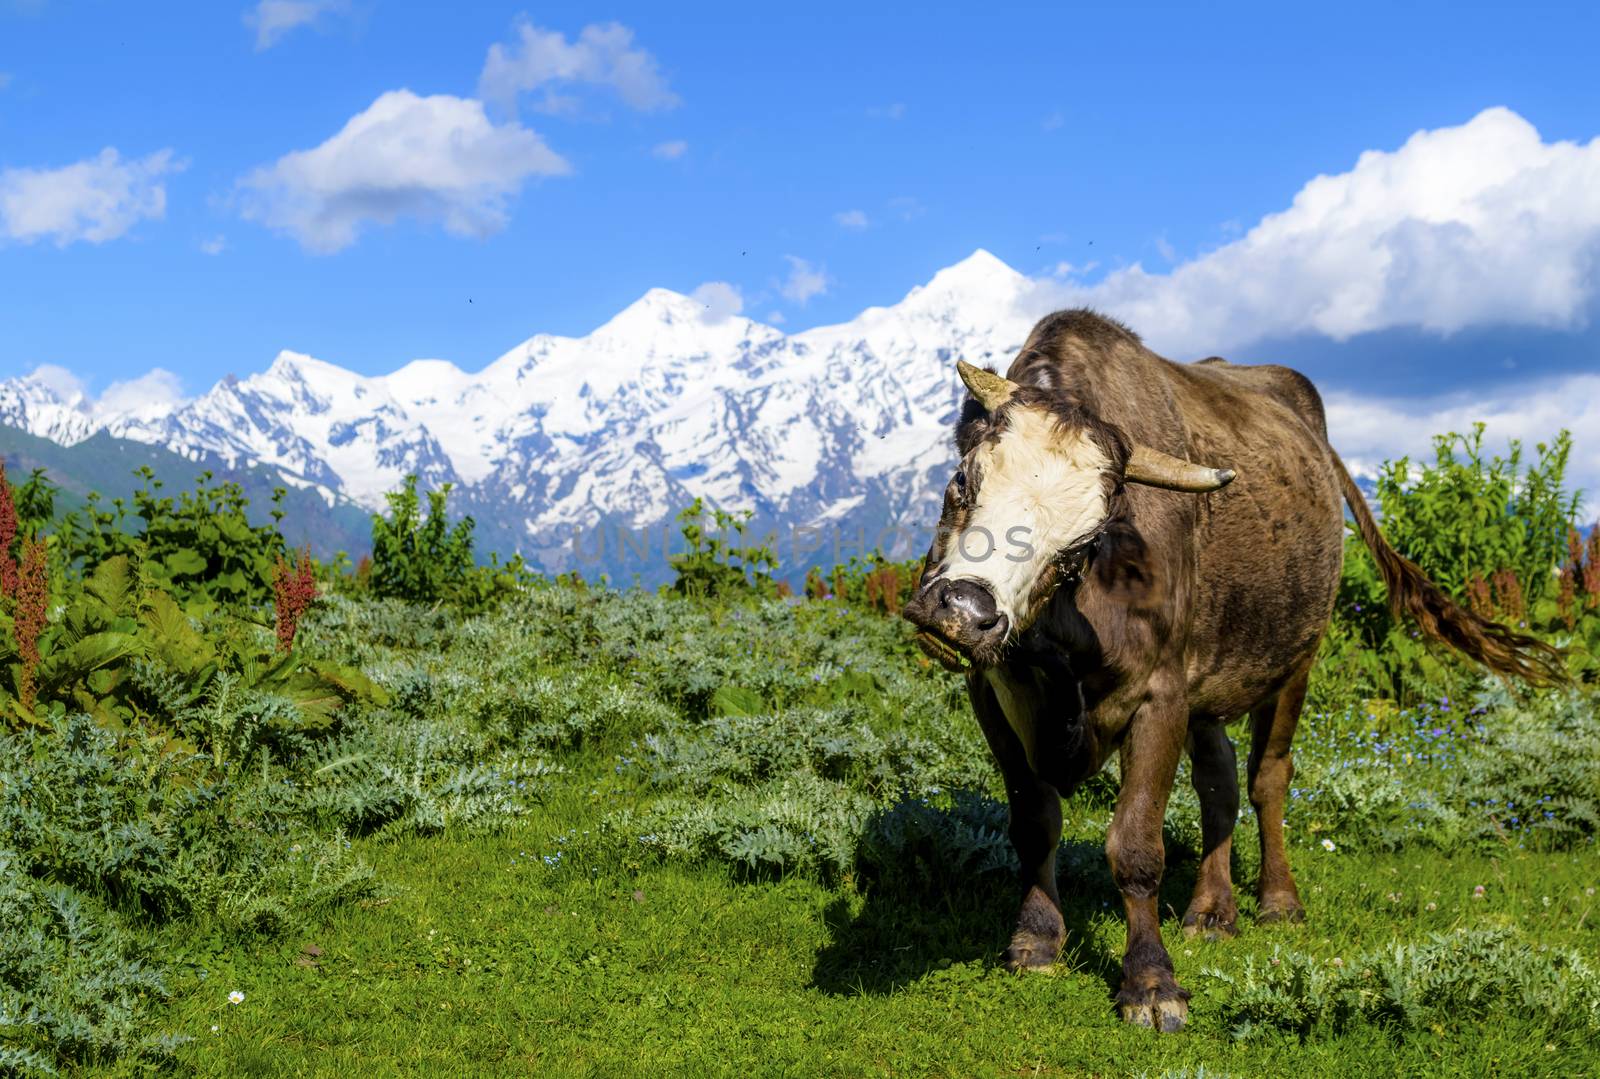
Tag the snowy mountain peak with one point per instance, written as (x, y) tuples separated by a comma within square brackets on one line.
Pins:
[(845, 425)]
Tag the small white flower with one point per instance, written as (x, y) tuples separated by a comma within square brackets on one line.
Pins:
[(1547, 901), (236, 997), (1327, 844), (1336, 961), (214, 1028)]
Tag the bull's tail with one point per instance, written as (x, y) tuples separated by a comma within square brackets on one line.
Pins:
[(1501, 650)]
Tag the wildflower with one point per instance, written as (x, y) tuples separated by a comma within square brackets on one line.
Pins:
[(213, 1028), (1432, 906), (1478, 892), (1328, 845), (236, 997), (1336, 961), (1547, 901)]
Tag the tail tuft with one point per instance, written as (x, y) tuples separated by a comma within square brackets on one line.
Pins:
[(1500, 649)]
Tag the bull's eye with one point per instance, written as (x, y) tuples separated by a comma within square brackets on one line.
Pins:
[(961, 481)]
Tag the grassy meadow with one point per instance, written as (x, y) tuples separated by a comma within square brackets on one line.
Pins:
[(264, 817)]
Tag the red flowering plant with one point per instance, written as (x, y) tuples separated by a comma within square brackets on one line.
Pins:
[(294, 590)]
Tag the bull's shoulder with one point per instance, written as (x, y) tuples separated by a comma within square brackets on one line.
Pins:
[(1284, 384)]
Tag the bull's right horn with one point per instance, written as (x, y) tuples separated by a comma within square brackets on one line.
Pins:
[(990, 389), (1156, 469)]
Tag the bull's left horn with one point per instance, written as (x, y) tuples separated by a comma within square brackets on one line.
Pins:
[(990, 389), (1156, 469)]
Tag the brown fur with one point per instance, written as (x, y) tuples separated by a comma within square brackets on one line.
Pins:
[(1193, 610)]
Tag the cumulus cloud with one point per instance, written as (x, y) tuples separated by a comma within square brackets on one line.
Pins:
[(151, 395), (671, 151), (94, 200), (603, 54), (63, 383), (1477, 224), (435, 158), (718, 300), (1367, 430), (155, 393), (273, 19), (804, 280), (852, 219)]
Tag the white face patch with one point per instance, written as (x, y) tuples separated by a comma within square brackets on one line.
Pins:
[(1040, 490)]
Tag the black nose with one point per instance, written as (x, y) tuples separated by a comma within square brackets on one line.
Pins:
[(965, 603)]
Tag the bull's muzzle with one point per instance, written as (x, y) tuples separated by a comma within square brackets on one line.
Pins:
[(959, 622)]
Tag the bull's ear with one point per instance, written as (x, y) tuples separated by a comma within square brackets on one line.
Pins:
[(990, 390), (1156, 469)]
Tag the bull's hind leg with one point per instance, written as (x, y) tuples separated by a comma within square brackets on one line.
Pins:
[(1035, 826), (1216, 781), (1271, 767)]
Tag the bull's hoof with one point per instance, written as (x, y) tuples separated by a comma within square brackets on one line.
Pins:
[(1211, 924), (1040, 933), (1029, 951), (1164, 1008), (1281, 910)]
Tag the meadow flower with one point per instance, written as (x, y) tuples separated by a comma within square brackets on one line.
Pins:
[(1336, 961), (1328, 845), (236, 997), (1478, 892), (1432, 906)]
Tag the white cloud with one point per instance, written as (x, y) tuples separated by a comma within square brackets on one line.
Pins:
[(213, 245), (62, 382), (906, 207), (719, 300), (852, 219), (153, 394), (1368, 430), (273, 19), (671, 151), (775, 318), (896, 111), (95, 200), (602, 55), (804, 281), (1478, 224), (433, 158)]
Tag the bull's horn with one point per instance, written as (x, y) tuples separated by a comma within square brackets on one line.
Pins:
[(990, 389), (1156, 469)]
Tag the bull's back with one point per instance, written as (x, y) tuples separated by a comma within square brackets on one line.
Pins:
[(1268, 546)]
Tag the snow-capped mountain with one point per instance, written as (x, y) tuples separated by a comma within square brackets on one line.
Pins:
[(846, 427)]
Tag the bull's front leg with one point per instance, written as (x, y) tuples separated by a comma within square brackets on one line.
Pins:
[(1150, 994), (1035, 827)]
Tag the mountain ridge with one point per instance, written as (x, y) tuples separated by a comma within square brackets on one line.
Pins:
[(844, 426)]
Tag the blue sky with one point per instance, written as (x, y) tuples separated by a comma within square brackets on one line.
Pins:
[(597, 152)]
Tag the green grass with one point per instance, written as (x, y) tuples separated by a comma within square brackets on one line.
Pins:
[(483, 960)]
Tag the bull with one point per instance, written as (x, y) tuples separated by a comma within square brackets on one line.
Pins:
[(1132, 554)]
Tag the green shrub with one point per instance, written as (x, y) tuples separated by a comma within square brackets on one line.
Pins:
[(428, 560), (1454, 981), (715, 565), (200, 547)]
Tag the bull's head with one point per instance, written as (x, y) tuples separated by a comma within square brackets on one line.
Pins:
[(1038, 480)]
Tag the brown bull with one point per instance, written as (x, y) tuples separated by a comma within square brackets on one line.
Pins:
[(1104, 594)]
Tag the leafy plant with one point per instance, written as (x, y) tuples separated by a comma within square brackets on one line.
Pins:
[(714, 563)]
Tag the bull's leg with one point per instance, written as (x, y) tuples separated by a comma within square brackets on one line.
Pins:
[(1271, 767), (1216, 781), (1150, 994), (1035, 828)]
